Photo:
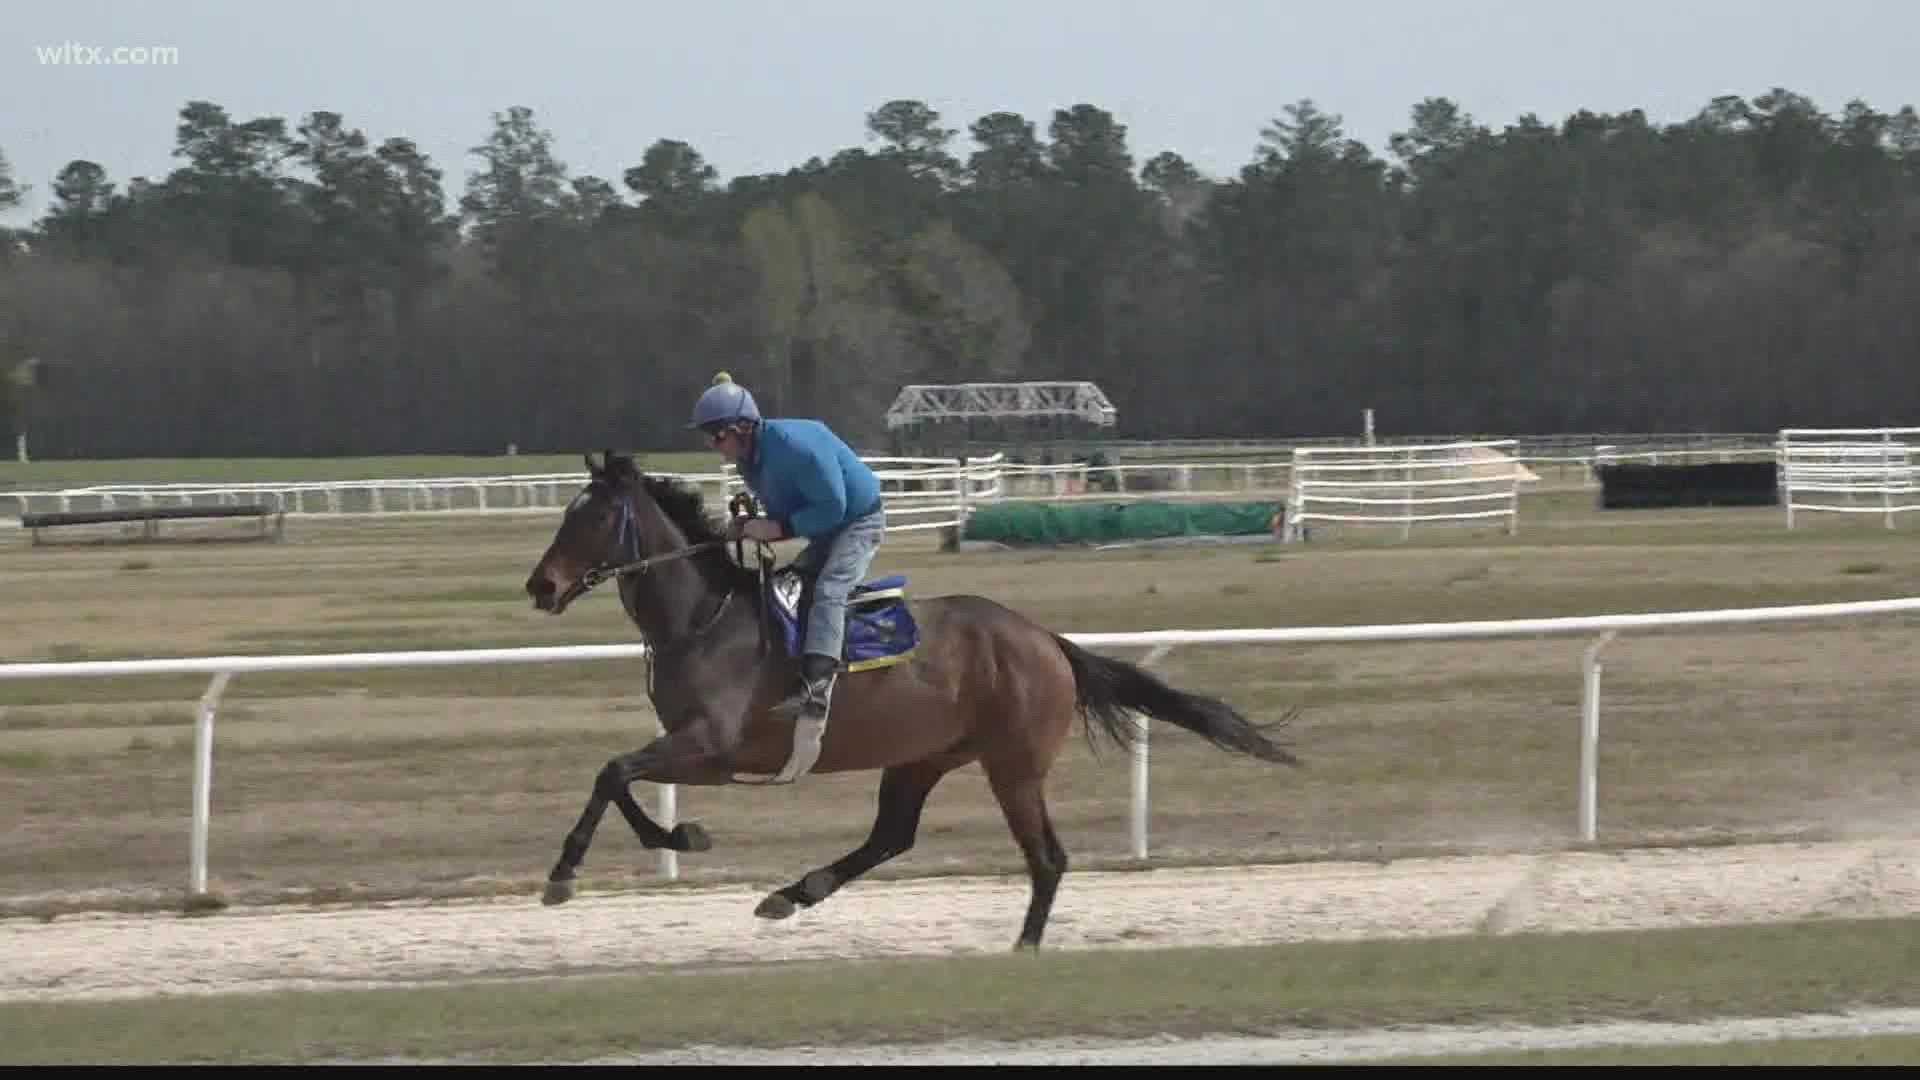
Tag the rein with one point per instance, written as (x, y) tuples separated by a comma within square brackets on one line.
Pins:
[(600, 574)]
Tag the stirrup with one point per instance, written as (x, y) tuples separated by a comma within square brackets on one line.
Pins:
[(812, 697)]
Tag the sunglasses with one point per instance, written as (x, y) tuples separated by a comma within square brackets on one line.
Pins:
[(714, 432)]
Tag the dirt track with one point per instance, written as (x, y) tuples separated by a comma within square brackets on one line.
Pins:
[(78, 957)]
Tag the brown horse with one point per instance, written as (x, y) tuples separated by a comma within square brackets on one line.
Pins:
[(985, 684)]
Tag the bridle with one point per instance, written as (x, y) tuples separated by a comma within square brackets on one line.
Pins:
[(629, 542)]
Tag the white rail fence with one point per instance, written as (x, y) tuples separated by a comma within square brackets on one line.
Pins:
[(1401, 485), (920, 488), (921, 493), (1850, 471), (1160, 642)]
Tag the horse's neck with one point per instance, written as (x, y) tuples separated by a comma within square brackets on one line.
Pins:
[(665, 600), (665, 604)]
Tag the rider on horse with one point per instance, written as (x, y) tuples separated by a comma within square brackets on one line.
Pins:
[(811, 485)]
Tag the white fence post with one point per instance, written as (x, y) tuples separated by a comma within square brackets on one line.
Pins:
[(203, 782), (1590, 738), (669, 811), (1139, 815), (966, 501), (1886, 467), (1782, 482)]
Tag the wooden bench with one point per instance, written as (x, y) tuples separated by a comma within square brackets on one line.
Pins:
[(152, 516)]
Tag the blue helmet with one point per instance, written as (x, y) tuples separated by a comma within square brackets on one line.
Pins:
[(724, 400)]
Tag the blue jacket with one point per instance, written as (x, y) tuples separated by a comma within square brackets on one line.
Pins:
[(807, 478)]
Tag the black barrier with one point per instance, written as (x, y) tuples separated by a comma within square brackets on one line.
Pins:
[(1732, 483), (140, 513), (151, 516)]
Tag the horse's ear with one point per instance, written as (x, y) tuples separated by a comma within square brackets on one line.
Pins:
[(618, 464), (592, 469)]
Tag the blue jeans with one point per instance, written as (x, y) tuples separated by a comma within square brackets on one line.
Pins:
[(836, 563)]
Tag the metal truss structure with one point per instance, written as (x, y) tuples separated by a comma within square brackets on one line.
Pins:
[(963, 401)]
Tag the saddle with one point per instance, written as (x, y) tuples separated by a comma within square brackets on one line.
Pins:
[(880, 627)]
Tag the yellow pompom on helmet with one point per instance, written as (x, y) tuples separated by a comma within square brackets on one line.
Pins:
[(723, 401)]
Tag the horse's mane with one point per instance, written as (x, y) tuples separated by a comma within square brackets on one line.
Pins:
[(684, 506)]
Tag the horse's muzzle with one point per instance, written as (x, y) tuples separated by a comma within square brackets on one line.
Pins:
[(545, 596)]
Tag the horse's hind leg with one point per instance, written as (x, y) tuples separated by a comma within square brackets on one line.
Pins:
[(1023, 800), (903, 794)]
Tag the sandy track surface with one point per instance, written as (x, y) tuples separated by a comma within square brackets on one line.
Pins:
[(106, 956)]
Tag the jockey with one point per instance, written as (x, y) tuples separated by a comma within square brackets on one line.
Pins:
[(813, 486)]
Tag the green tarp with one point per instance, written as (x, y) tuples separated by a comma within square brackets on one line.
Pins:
[(1114, 522)]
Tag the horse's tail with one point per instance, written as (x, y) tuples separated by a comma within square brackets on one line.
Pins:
[(1107, 688)]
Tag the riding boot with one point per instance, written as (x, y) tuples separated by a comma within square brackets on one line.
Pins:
[(817, 675)]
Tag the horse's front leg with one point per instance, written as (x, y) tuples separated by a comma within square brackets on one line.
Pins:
[(573, 849), (686, 756), (685, 836)]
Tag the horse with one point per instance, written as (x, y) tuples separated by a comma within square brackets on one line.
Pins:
[(984, 683)]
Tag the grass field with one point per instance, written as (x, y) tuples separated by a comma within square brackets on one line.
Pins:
[(1671, 975)]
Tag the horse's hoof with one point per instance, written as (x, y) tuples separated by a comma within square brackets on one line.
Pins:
[(557, 892), (687, 836), (775, 906)]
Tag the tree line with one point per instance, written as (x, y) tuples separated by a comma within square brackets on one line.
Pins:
[(305, 288)]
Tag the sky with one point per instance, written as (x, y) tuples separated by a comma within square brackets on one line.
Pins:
[(762, 85)]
